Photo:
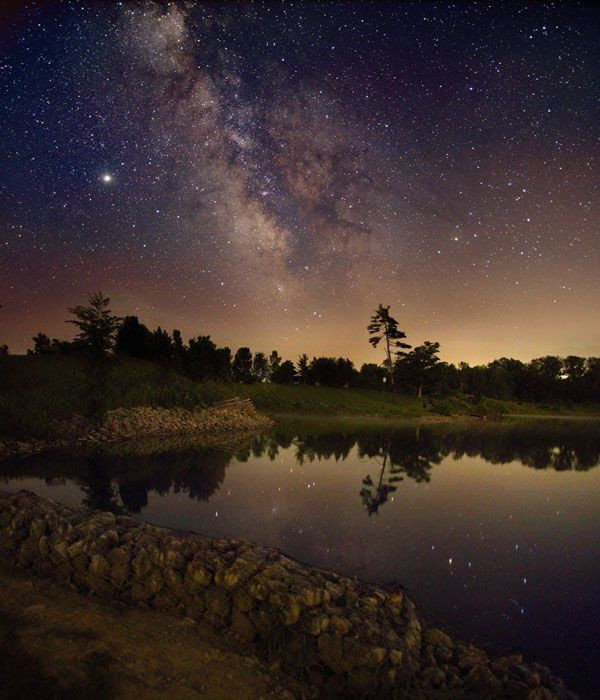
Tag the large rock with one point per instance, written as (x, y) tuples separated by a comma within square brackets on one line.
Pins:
[(287, 607), (438, 638), (237, 574), (470, 656), (197, 576), (481, 680)]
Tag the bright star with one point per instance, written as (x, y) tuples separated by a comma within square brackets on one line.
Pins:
[(107, 177)]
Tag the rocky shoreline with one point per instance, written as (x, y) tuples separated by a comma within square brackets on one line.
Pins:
[(234, 416), (346, 637)]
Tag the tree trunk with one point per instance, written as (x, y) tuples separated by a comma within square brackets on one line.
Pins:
[(389, 358), (420, 394)]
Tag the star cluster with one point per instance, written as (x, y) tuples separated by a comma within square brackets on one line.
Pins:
[(269, 172)]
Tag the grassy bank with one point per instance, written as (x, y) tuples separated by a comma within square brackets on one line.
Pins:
[(37, 391), (329, 402)]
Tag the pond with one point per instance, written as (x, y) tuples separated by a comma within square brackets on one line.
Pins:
[(495, 529)]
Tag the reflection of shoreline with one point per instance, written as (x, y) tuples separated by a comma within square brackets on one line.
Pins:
[(119, 476), (558, 446)]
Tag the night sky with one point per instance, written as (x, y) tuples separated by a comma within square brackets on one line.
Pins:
[(268, 173)]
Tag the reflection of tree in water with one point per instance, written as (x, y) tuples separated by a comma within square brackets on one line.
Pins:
[(125, 473), (327, 446), (412, 452), (104, 474), (373, 495), (257, 447), (99, 488), (403, 453), (553, 444)]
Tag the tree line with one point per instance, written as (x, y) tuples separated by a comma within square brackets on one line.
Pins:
[(417, 370), (547, 378)]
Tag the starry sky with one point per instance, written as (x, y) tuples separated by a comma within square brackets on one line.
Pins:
[(267, 173)]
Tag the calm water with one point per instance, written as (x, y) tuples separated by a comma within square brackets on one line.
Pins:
[(495, 530)]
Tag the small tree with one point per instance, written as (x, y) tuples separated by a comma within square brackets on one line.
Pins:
[(303, 363), (371, 376), (133, 338), (417, 364), (384, 327), (274, 363), (161, 347), (242, 366), (260, 367), (180, 351), (97, 326), (42, 345), (285, 373)]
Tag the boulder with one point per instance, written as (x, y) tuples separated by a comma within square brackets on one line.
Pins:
[(481, 680), (287, 606)]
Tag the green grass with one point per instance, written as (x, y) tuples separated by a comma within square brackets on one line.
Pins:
[(326, 401), (36, 392)]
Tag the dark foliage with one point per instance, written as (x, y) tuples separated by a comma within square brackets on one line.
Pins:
[(548, 379), (242, 366), (285, 373)]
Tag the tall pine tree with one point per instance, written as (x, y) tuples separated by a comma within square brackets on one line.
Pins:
[(384, 327)]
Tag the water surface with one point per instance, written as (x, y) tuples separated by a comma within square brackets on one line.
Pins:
[(494, 529)]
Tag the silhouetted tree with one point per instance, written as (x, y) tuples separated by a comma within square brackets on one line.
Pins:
[(323, 371), (346, 374), (329, 371), (274, 363), (415, 366), (97, 326), (42, 345), (384, 327), (206, 361), (371, 376), (260, 367), (179, 352), (133, 339), (592, 378), (242, 366), (161, 347), (285, 373), (574, 372), (303, 363), (545, 373)]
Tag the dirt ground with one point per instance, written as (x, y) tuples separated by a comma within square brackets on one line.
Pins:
[(55, 643)]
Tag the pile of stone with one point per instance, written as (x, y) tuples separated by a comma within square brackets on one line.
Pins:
[(348, 637), (145, 421), (126, 423)]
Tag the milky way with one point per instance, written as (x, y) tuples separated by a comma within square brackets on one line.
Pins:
[(268, 173)]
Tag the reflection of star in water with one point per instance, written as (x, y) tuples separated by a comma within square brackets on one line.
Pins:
[(107, 178)]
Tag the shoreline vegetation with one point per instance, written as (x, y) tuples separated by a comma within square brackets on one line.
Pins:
[(43, 397), (118, 363), (345, 637), (39, 394)]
